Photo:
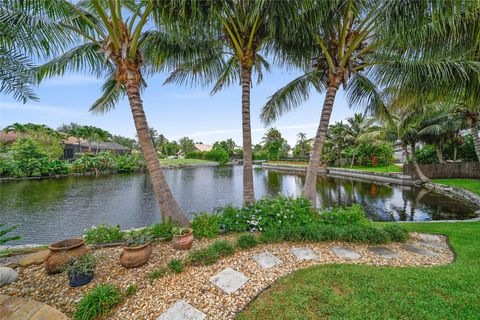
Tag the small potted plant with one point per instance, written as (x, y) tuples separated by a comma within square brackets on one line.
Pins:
[(182, 238), (81, 270), (136, 251)]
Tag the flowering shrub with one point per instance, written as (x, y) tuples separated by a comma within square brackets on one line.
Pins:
[(103, 233)]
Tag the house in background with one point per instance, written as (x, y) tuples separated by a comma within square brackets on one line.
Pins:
[(72, 146), (8, 137), (199, 147)]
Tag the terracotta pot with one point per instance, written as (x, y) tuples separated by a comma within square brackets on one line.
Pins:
[(133, 257), (183, 242), (63, 252)]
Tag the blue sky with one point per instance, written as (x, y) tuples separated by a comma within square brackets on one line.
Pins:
[(175, 111)]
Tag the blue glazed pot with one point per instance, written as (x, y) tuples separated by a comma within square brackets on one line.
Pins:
[(78, 279)]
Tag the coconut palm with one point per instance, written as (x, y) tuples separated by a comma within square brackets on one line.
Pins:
[(110, 46), (338, 138), (359, 129), (303, 143), (361, 44), (234, 32)]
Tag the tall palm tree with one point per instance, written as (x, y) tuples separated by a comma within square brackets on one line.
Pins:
[(234, 31), (303, 143), (359, 129), (360, 44), (338, 138), (111, 46)]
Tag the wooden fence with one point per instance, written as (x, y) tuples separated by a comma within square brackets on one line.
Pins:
[(469, 170)]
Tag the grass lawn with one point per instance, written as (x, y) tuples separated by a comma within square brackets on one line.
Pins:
[(365, 292), (469, 184), (183, 162), (390, 168)]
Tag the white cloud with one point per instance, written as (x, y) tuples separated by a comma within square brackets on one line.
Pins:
[(48, 110)]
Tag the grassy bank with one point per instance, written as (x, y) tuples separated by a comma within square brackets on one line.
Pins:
[(366, 292), (390, 168), (183, 162), (469, 184)]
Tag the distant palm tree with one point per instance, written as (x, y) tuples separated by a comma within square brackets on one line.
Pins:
[(303, 143), (360, 129), (111, 36), (338, 138), (233, 33)]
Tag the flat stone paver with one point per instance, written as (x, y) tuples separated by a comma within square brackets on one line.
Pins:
[(434, 245), (181, 310), (418, 250), (385, 252), (266, 260), (430, 237), (345, 252), (304, 253), (14, 308), (229, 280)]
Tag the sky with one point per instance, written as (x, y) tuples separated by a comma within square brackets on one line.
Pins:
[(175, 111)]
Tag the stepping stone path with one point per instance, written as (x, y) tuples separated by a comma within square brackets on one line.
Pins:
[(229, 280), (13, 308), (430, 237), (304, 253), (434, 245), (418, 250), (385, 252), (266, 260), (345, 252), (181, 310)]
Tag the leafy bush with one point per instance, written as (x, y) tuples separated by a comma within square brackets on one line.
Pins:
[(176, 265), (98, 302), (427, 155), (160, 230), (158, 273), (28, 160), (137, 239), (396, 232), (56, 167), (127, 163), (205, 226), (103, 233), (344, 216), (246, 241), (85, 264), (211, 254)]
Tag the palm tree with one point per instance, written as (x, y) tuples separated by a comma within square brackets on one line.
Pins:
[(233, 33), (338, 138), (360, 129), (303, 143), (113, 34), (360, 44)]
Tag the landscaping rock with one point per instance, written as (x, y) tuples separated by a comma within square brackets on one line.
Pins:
[(181, 310), (304, 253), (49, 313), (7, 276), (229, 280), (418, 250), (34, 258), (345, 252), (385, 252), (430, 237), (434, 245), (266, 260)]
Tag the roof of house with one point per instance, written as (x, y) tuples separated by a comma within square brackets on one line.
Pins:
[(203, 147), (7, 137), (104, 145)]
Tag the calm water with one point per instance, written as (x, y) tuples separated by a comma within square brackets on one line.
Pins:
[(49, 210)]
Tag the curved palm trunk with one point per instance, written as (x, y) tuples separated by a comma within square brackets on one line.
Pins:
[(476, 138), (439, 152), (405, 152), (248, 191), (168, 206), (421, 176), (314, 163)]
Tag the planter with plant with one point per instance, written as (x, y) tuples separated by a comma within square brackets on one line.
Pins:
[(182, 238), (81, 270), (63, 252), (136, 251)]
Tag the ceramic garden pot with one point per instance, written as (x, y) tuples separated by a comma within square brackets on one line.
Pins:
[(133, 257), (64, 252), (183, 242)]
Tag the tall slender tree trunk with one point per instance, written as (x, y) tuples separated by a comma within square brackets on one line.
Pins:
[(167, 203), (439, 152), (314, 163), (421, 176), (455, 148), (353, 157), (248, 191), (405, 152), (476, 138)]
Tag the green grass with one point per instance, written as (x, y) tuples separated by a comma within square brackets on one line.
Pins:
[(469, 184), (98, 303), (183, 162), (367, 292), (390, 168)]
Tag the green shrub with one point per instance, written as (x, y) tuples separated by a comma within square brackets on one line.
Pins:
[(160, 230), (131, 290), (396, 232), (211, 254), (158, 273), (205, 226), (176, 265), (98, 302), (246, 241), (103, 233), (344, 216)]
